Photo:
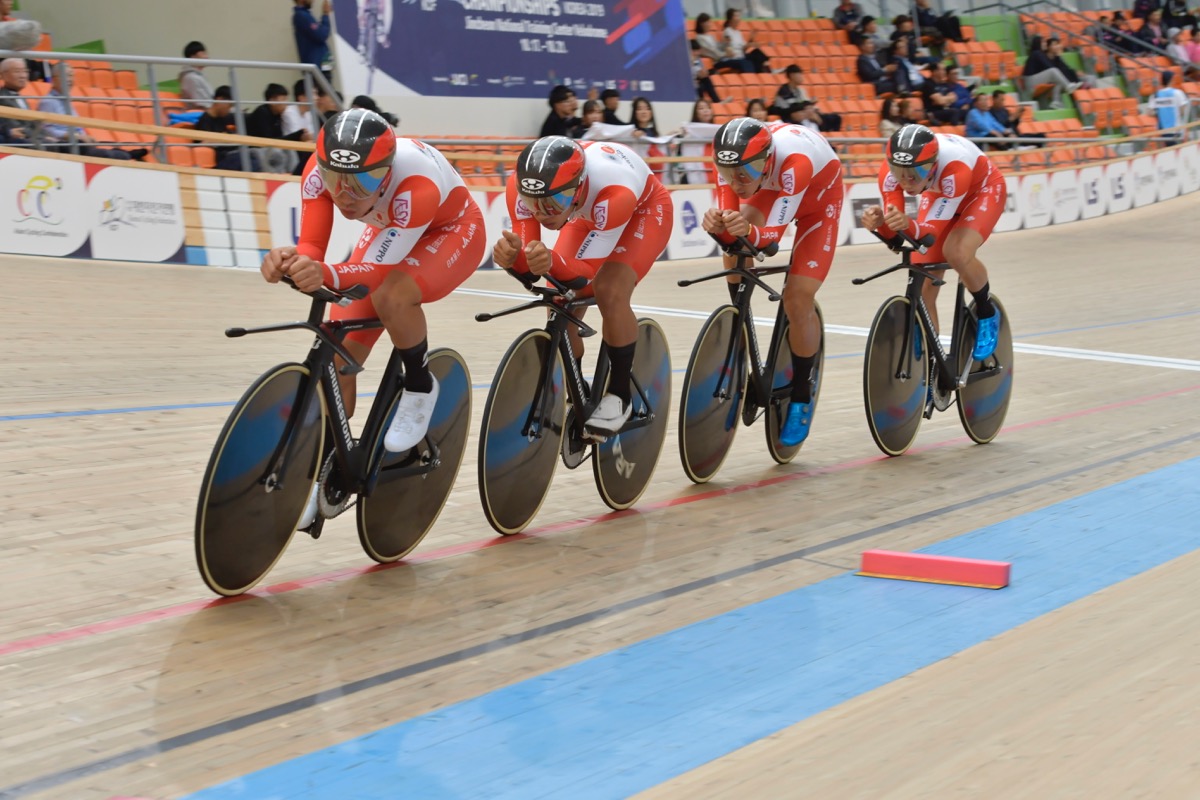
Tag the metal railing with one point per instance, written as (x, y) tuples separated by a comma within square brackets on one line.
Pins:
[(312, 76)]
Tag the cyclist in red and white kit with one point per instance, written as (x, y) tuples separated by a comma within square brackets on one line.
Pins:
[(768, 176), (615, 219), (423, 238), (962, 197)]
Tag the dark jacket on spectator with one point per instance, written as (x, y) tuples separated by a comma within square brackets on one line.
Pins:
[(225, 124), (610, 118), (312, 37), (267, 124), (557, 126), (10, 98)]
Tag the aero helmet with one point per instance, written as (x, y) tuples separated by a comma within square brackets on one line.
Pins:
[(549, 173), (741, 148), (915, 148), (355, 151)]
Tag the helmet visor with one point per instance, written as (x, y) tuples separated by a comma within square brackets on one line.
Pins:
[(744, 174), (920, 172), (552, 204), (358, 185)]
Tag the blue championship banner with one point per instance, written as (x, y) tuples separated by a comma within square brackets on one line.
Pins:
[(514, 48)]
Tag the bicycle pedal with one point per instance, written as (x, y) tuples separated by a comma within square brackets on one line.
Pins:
[(316, 528)]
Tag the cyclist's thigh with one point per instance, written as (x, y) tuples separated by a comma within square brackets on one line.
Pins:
[(646, 236), (817, 226), (445, 257), (982, 212)]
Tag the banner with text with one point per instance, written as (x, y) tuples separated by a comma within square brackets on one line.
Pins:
[(514, 48)]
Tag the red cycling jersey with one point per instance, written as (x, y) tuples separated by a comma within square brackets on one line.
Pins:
[(424, 224), (626, 216), (803, 184), (966, 190)]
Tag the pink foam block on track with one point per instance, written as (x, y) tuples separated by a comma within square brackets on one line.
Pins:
[(935, 569)]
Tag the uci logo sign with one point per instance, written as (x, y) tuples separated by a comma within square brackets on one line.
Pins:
[(727, 157), (532, 184), (902, 158), (345, 157)]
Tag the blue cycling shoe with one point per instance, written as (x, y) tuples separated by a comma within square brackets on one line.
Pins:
[(987, 332), (795, 427)]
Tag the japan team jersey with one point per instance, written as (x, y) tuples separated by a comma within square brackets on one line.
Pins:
[(962, 171), (618, 184), (799, 155), (423, 191)]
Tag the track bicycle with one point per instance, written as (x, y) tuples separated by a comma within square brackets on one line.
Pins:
[(290, 430), (908, 375), (539, 402), (727, 379)]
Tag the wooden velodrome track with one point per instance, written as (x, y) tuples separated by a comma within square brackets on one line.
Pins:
[(121, 676)]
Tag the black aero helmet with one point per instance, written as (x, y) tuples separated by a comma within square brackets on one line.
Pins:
[(741, 148), (549, 172), (355, 152), (912, 146)]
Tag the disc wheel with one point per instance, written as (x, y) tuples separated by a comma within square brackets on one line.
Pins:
[(894, 405), (516, 465), (781, 387), (983, 402), (406, 502), (258, 479), (714, 389), (624, 463)]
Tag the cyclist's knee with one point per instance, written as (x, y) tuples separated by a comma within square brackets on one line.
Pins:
[(397, 293)]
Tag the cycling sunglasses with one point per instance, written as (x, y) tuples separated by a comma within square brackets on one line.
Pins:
[(749, 172), (358, 185), (920, 172), (553, 204)]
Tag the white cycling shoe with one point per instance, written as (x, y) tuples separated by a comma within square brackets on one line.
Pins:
[(411, 422), (610, 415)]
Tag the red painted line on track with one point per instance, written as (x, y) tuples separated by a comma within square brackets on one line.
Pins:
[(144, 617)]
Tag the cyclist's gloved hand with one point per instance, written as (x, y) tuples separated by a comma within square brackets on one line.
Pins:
[(872, 218), (896, 219), (308, 275), (537, 256), (504, 253), (273, 263)]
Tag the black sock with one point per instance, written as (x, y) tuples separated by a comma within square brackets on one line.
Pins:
[(733, 290), (620, 363), (983, 302), (802, 367), (416, 368)]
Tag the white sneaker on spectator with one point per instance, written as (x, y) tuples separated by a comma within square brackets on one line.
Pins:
[(411, 422), (1071, 87)]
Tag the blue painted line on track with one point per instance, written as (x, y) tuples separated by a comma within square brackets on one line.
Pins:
[(228, 403), (628, 720), (1120, 324)]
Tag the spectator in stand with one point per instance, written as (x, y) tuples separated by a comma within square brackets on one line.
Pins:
[(736, 42), (757, 109), (890, 120), (702, 111), (6, 7), (902, 28), (867, 28), (982, 125), (643, 120), (610, 99), (872, 70), (14, 74), (847, 16), (910, 112), (1152, 32), (327, 105), (907, 77), (941, 98), (219, 118), (793, 89), (266, 121), (312, 36), (962, 95), (1182, 56), (194, 89), (593, 112), (700, 77), (806, 113), (721, 54), (1121, 39), (561, 118), (1171, 107), (1175, 15), (947, 26), (1098, 29), (1193, 47), (365, 102), (1040, 68), (55, 103), (1011, 120), (299, 117), (1142, 8)]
